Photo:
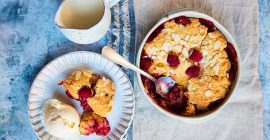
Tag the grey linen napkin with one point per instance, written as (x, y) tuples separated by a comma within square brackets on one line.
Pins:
[(242, 117)]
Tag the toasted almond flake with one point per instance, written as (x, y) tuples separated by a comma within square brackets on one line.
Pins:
[(183, 43), (102, 94), (185, 52), (176, 38), (217, 44), (152, 51), (212, 35), (202, 30), (216, 69), (187, 37), (87, 73), (196, 38), (77, 75), (204, 42), (177, 48), (106, 83), (166, 47), (208, 93), (110, 103), (168, 30), (204, 52)]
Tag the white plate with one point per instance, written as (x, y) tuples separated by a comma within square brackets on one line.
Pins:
[(45, 87)]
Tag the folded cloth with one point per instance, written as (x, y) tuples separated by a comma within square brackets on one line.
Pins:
[(242, 117)]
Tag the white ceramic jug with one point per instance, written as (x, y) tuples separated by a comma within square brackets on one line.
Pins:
[(85, 35)]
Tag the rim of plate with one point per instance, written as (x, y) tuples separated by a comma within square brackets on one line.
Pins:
[(91, 53)]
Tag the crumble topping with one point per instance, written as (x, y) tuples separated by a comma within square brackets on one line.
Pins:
[(210, 81), (93, 91)]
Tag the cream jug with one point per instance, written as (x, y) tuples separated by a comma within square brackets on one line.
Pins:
[(83, 21)]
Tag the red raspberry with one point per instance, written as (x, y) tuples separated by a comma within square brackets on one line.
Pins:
[(196, 55), (85, 105), (193, 71), (145, 64), (173, 60), (211, 26), (183, 20), (148, 84), (85, 92), (103, 127)]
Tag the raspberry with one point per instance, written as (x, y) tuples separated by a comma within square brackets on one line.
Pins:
[(103, 127), (149, 85), (145, 64), (92, 123), (232, 55), (193, 71), (183, 20), (209, 24), (173, 60), (196, 56), (85, 92), (176, 93), (85, 105)]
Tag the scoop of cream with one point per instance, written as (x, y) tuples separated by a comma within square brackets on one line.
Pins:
[(61, 120)]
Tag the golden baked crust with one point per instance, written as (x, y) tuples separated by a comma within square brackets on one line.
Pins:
[(92, 123), (202, 91), (102, 102), (76, 80)]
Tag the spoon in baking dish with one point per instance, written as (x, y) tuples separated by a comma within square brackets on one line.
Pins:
[(163, 84)]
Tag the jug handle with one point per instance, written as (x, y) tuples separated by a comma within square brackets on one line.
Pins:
[(111, 3)]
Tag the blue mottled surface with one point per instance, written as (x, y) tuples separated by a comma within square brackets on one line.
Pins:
[(264, 63)]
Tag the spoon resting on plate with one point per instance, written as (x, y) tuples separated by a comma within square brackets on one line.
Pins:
[(163, 84)]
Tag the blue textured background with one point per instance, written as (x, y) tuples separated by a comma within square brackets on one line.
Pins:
[(24, 39), (264, 63)]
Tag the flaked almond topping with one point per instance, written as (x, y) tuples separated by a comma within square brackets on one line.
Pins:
[(77, 75), (196, 38), (217, 44), (185, 52), (110, 103), (177, 48), (183, 43), (204, 52), (166, 47), (102, 94), (201, 30), (87, 73), (106, 83), (208, 93), (176, 38), (216, 69), (187, 37), (212, 35)]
